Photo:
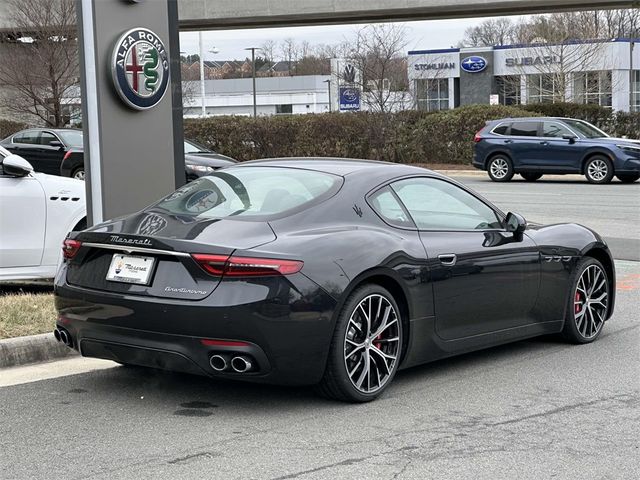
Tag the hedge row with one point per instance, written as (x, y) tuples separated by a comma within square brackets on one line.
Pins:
[(7, 127), (406, 137)]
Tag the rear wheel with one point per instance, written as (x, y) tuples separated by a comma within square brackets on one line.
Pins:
[(366, 347), (78, 173), (500, 168), (589, 302), (598, 169), (530, 176), (628, 178)]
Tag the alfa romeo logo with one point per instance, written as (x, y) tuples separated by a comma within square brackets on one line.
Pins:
[(140, 68)]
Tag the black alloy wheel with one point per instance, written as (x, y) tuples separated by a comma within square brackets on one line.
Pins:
[(366, 347), (589, 302), (500, 168), (530, 176), (598, 170)]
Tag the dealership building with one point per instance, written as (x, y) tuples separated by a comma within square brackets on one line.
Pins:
[(606, 73)]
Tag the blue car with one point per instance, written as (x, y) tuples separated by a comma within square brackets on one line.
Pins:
[(532, 147)]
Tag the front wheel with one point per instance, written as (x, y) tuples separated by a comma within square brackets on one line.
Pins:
[(598, 170), (500, 169), (366, 347), (588, 305), (628, 177), (531, 177)]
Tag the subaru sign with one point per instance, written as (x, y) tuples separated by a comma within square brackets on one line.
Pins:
[(473, 64), (349, 98)]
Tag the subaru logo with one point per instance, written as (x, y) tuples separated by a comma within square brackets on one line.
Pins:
[(473, 64)]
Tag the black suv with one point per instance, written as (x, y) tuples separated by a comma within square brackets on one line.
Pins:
[(532, 147)]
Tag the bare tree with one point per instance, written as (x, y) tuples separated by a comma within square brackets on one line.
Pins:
[(377, 53), (290, 52), (40, 65), (500, 31)]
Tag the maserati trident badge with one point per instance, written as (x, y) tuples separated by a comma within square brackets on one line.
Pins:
[(140, 68)]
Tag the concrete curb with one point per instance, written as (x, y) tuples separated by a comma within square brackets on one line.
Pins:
[(32, 349)]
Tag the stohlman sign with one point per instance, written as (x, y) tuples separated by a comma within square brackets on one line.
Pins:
[(435, 66), (531, 61)]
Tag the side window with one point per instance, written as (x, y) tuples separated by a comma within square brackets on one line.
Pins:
[(524, 129), (46, 137), (501, 129), (387, 206), (30, 137), (554, 130), (439, 205)]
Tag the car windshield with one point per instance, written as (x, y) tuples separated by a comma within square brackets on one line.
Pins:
[(249, 192), (193, 148), (585, 129), (72, 138)]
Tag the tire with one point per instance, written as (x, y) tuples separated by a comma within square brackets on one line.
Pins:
[(352, 348), (628, 177), (584, 321), (500, 168), (598, 170), (78, 173), (530, 176)]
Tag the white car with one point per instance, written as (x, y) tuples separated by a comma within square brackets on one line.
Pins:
[(36, 213)]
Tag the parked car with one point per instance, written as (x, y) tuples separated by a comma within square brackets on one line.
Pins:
[(532, 147), (332, 272), (44, 148), (38, 211), (198, 161)]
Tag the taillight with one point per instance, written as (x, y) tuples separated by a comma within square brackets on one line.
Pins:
[(477, 137), (220, 265), (66, 155), (70, 248), (214, 342)]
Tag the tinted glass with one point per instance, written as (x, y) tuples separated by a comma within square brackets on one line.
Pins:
[(501, 129), (71, 138), (438, 205), (586, 129), (249, 192), (524, 129), (388, 207), (193, 148), (555, 130), (46, 137), (27, 137)]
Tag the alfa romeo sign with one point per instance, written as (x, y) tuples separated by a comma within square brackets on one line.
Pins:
[(140, 68)]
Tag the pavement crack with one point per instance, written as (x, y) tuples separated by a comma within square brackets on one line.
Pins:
[(190, 458)]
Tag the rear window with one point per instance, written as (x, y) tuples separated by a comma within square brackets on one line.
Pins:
[(524, 129), (250, 192)]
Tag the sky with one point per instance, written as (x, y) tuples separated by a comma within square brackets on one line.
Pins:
[(422, 35)]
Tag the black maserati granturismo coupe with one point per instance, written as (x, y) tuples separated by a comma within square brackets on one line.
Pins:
[(330, 272)]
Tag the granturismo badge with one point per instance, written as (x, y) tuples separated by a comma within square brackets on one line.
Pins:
[(473, 64), (140, 68)]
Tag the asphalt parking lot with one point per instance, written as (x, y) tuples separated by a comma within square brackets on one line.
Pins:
[(535, 409)]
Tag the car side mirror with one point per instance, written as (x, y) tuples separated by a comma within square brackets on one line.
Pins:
[(55, 143), (571, 138), (516, 224), (16, 166)]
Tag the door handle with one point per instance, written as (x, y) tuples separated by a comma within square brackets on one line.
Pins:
[(508, 141), (448, 259), (544, 143)]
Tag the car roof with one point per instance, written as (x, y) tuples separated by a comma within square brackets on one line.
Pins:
[(533, 119), (336, 165)]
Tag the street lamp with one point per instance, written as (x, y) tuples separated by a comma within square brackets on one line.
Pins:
[(253, 74), (213, 50), (328, 82)]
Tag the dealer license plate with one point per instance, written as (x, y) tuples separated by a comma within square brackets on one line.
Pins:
[(130, 269)]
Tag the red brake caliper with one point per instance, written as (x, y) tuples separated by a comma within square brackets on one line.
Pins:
[(577, 301), (376, 342)]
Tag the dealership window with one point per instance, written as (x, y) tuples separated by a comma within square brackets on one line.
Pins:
[(543, 88), (592, 87), (433, 94), (635, 91), (509, 89), (285, 108)]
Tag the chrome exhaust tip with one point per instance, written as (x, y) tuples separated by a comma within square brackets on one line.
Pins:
[(241, 364), (65, 338), (56, 334), (218, 363)]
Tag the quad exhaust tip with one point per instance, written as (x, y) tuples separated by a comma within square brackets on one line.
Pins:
[(218, 363), (241, 364), (63, 336)]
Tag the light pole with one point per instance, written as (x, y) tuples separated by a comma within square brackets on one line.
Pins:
[(328, 82), (213, 50), (253, 75)]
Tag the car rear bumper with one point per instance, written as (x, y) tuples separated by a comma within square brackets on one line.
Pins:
[(287, 343)]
